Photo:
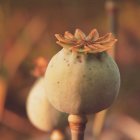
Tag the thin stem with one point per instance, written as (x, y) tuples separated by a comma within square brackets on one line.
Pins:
[(77, 125)]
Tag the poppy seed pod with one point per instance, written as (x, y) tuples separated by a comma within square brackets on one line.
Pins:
[(40, 112), (82, 78)]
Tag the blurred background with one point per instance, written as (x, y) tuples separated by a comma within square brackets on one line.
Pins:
[(27, 31)]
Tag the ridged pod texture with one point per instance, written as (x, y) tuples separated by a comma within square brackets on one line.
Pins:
[(80, 83)]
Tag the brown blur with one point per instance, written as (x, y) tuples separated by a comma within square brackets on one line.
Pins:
[(27, 31)]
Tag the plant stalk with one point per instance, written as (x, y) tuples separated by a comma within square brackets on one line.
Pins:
[(77, 125)]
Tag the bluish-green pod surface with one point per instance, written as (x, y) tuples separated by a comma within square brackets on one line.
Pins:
[(79, 83)]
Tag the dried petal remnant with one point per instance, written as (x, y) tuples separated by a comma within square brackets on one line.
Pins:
[(92, 43)]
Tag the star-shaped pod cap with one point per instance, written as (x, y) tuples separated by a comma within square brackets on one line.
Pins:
[(92, 43)]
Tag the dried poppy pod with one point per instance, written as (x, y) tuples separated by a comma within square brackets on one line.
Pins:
[(39, 111), (82, 78)]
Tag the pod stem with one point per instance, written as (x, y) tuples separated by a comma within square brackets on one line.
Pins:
[(77, 125)]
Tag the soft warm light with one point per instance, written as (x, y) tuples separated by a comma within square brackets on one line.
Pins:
[(39, 110)]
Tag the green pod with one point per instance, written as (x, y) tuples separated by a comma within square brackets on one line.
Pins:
[(40, 112), (81, 83)]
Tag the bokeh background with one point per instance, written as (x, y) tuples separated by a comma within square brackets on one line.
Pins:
[(27, 31)]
